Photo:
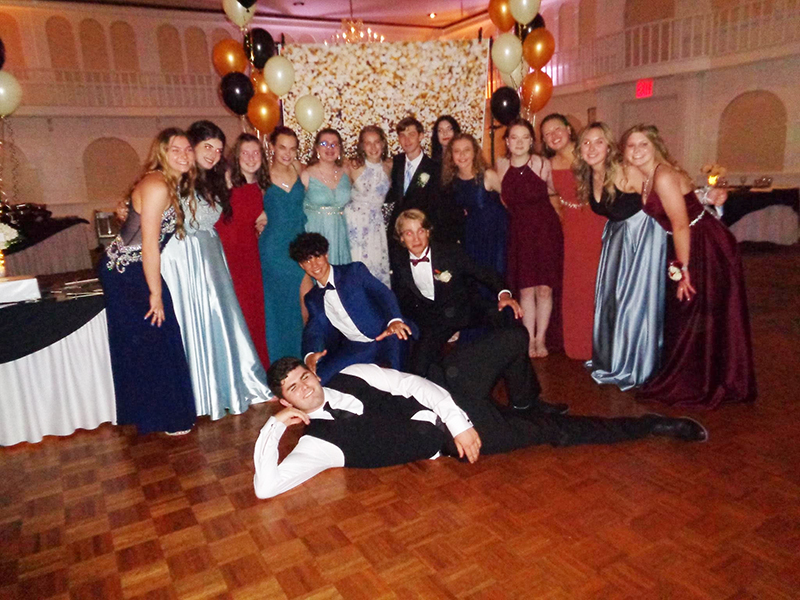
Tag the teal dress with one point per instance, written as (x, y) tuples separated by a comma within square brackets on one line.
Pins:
[(281, 275), (324, 208)]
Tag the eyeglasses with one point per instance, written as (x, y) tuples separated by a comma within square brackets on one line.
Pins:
[(326, 144)]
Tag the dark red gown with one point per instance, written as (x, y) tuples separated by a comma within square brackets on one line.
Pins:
[(240, 242), (708, 354), (535, 242)]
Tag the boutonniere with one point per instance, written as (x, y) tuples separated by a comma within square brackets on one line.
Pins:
[(443, 276), (423, 178)]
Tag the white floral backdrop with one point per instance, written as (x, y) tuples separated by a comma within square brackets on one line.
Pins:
[(380, 84)]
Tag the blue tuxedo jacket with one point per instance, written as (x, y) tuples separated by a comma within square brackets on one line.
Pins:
[(368, 302)]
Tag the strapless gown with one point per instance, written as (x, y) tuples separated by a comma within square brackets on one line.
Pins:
[(629, 297), (281, 275), (485, 223), (365, 225), (708, 352), (227, 375), (324, 208), (152, 385)]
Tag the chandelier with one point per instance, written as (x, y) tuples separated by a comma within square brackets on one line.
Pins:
[(353, 31)]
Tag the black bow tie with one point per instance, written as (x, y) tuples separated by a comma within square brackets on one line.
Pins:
[(328, 286), (338, 413)]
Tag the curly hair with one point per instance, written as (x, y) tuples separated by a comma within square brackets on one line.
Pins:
[(327, 131), (210, 184), (279, 370), (612, 165), (307, 245), (436, 146), (361, 156), (449, 169), (178, 186)]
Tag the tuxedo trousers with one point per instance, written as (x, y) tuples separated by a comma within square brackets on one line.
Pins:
[(390, 352), (470, 373)]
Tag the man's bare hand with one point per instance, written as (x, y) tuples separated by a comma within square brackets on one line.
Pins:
[(468, 444), (292, 416), (507, 300), (312, 360), (397, 328)]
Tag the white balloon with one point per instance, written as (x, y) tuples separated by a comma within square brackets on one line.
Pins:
[(237, 13), (514, 79), (279, 75), (507, 52), (524, 11), (10, 93), (309, 112)]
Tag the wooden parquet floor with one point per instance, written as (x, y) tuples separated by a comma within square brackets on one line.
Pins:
[(105, 514)]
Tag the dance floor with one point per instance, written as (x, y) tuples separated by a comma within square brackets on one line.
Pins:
[(105, 514)]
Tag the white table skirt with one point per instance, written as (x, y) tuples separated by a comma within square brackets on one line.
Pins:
[(59, 389), (777, 224)]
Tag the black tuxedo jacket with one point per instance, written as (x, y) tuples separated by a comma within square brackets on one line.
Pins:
[(457, 303), (423, 191)]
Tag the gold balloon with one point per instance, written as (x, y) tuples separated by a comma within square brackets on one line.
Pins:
[(538, 47), (507, 52), (264, 112), (279, 75), (537, 87), (500, 14), (228, 57), (524, 11), (259, 85), (309, 112)]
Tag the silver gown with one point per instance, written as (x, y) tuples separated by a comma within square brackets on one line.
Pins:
[(225, 370), (627, 337)]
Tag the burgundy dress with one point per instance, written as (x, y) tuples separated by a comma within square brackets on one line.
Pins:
[(240, 242), (583, 242), (708, 356), (535, 241)]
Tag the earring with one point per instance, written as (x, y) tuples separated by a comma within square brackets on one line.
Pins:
[(317, 155)]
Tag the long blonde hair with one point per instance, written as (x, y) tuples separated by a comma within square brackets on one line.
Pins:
[(178, 185), (612, 165), (652, 134)]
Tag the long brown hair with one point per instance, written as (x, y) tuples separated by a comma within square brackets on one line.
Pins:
[(652, 134), (178, 186), (449, 168), (314, 155), (361, 156), (612, 164), (237, 177), (573, 137), (520, 122)]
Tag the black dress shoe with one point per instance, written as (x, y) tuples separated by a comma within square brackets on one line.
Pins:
[(683, 428), (540, 407)]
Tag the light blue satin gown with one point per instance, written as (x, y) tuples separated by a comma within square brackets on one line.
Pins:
[(226, 374), (324, 208), (627, 338)]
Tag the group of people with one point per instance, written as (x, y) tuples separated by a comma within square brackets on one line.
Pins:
[(325, 267)]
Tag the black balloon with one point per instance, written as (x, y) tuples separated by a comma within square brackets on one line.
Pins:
[(259, 47), (246, 3), (505, 105), (2, 54), (522, 31), (236, 90)]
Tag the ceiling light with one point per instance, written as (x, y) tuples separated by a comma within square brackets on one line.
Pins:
[(432, 15)]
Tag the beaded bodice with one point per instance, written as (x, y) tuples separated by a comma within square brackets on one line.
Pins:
[(127, 246)]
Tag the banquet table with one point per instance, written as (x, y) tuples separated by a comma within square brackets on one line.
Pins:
[(55, 369), (51, 246), (769, 215)]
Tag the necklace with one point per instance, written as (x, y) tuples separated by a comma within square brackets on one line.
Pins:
[(571, 204), (646, 186), (327, 181)]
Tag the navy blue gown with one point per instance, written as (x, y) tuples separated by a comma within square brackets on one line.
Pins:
[(151, 377), (485, 223)]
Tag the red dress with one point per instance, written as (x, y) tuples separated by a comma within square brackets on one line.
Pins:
[(583, 242), (240, 242), (535, 241), (708, 354)]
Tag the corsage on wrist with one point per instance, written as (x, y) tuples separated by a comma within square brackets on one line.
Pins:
[(676, 269)]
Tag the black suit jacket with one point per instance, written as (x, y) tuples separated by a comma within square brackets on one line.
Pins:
[(423, 191), (457, 303)]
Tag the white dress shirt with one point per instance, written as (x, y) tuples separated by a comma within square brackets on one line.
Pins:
[(337, 315), (422, 273), (313, 455), (411, 166)]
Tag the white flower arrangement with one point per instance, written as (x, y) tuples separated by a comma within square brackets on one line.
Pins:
[(423, 178), (8, 236), (443, 276)]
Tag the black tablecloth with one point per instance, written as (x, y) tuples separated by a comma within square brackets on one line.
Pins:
[(31, 326), (36, 231), (740, 202)]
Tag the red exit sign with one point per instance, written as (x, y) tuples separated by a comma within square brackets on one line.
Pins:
[(644, 88)]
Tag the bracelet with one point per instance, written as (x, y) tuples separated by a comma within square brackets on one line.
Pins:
[(676, 269)]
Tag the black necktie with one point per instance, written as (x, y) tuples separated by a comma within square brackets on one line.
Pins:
[(338, 413)]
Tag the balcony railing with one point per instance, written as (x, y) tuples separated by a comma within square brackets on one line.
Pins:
[(105, 89), (747, 27)]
